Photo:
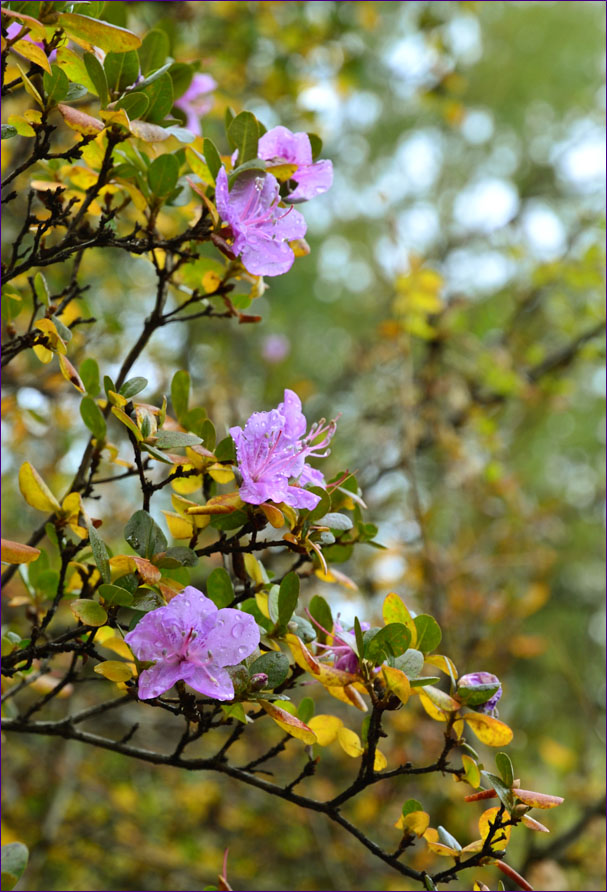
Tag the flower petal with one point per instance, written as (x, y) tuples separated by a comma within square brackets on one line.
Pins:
[(263, 256), (311, 181), (211, 680), (281, 143), (234, 637), (159, 678)]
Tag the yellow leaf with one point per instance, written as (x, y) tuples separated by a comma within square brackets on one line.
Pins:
[(398, 682), (473, 775), (333, 575), (91, 613), (220, 473), (348, 694), (42, 353), (72, 64), (300, 247), (70, 374), (416, 822), (326, 675), (36, 28), (273, 515), (86, 31), (394, 610), (16, 553), (223, 504), (35, 491), (32, 52), (288, 722), (255, 569), (501, 838), (350, 743), (185, 486), (149, 132), (181, 506), (28, 85), (21, 125), (431, 837), (116, 117), (79, 120), (380, 762), (47, 326), (121, 564), (325, 727), (124, 418), (538, 800), (179, 527), (211, 281), (488, 729), (114, 643), (261, 599), (282, 172), (71, 508), (114, 670), (445, 664)]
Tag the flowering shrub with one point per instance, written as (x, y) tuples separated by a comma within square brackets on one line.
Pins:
[(116, 160)]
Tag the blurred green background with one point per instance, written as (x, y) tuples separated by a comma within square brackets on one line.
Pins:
[(451, 310)]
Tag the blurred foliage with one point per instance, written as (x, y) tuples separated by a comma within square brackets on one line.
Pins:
[(450, 309)]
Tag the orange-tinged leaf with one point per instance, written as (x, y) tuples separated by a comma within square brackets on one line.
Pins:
[(502, 837), (16, 553), (70, 374), (223, 504), (114, 670), (348, 694), (416, 822), (395, 610), (288, 722), (475, 846), (325, 727), (350, 743), (79, 120), (473, 774), (147, 571), (274, 516), (514, 875), (488, 729), (326, 675), (530, 822), (538, 800), (398, 682), (35, 491), (179, 527)]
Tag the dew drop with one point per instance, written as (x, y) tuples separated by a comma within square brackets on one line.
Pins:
[(242, 650), (236, 632)]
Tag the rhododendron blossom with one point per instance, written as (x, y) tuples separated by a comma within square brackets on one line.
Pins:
[(281, 146), (192, 641), (343, 647), (260, 227), (272, 451), (196, 101), (479, 681)]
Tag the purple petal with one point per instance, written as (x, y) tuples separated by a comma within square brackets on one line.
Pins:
[(201, 84), (149, 637), (301, 498), (281, 143), (311, 476), (295, 422), (289, 225), (311, 181), (234, 637), (211, 680), (252, 194), (191, 608), (255, 492), (263, 256), (222, 199), (159, 678)]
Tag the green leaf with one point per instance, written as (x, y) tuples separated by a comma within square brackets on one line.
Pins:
[(335, 521), (288, 596), (41, 289), (504, 766), (172, 439), (391, 641), (108, 385), (503, 791), (243, 134), (107, 37), (303, 628), (100, 554), (180, 555), (358, 634), (14, 861), (160, 94), (422, 682), (410, 806), (225, 450), (7, 133), (75, 91), (121, 70), (219, 587), (89, 374), (305, 710), (133, 386), (163, 174), (134, 104), (181, 75), (428, 633), (211, 156), (56, 85), (207, 432), (93, 417), (429, 883), (62, 329), (144, 535), (115, 595), (275, 665), (411, 662), (180, 393), (233, 711), (323, 506), (321, 612), (91, 613), (95, 71), (315, 144), (253, 164), (153, 50), (477, 695)]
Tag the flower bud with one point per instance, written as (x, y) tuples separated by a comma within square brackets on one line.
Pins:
[(258, 681), (480, 691)]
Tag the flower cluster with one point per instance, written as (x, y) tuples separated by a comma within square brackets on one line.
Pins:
[(191, 640), (279, 146), (272, 450)]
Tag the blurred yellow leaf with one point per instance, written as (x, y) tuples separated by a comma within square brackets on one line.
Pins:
[(114, 670), (325, 727), (349, 741), (35, 491), (416, 822), (488, 729), (179, 527), (16, 553), (445, 664), (502, 837), (220, 473), (288, 722), (380, 762)]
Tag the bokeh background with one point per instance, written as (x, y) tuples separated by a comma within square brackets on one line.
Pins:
[(451, 310)]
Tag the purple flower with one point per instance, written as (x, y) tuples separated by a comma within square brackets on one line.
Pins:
[(192, 641), (196, 102), (15, 28), (260, 227), (343, 647), (280, 146), (272, 451), (275, 348), (477, 690)]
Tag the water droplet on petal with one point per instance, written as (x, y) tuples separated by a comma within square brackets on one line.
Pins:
[(236, 631), (242, 650)]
